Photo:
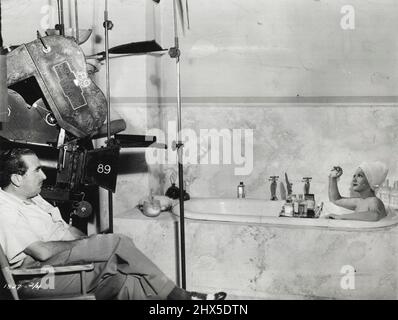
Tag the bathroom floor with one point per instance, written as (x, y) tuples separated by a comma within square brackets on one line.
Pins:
[(233, 297), (285, 297)]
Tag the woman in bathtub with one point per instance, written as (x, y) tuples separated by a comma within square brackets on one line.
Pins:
[(367, 207)]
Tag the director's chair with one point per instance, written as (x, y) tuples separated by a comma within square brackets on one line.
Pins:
[(9, 275)]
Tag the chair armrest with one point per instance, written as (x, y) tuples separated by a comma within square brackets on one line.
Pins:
[(57, 269)]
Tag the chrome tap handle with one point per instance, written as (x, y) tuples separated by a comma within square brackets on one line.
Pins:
[(273, 187)]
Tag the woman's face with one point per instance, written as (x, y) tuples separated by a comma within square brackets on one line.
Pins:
[(359, 181)]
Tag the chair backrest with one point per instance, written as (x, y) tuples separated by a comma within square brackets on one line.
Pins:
[(3, 259), (8, 277)]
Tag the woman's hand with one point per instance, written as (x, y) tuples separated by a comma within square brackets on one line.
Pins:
[(336, 172)]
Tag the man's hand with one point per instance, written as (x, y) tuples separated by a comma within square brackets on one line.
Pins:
[(336, 172)]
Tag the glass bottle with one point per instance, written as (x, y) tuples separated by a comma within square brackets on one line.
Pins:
[(295, 205), (241, 191), (302, 206)]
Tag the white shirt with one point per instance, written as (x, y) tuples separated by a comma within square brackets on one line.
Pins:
[(23, 223)]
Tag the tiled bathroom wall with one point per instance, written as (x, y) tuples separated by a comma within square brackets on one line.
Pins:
[(300, 140)]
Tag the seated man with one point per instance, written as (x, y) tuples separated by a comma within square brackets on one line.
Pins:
[(367, 207), (33, 234)]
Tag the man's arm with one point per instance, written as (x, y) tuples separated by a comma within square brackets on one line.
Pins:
[(43, 251), (77, 233)]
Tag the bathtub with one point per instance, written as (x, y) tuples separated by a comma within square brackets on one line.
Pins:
[(267, 212), (242, 247)]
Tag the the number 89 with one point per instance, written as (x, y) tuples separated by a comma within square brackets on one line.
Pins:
[(104, 169)]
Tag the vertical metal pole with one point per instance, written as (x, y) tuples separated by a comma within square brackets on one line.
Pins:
[(180, 152), (108, 26), (59, 11), (61, 17), (187, 9), (1, 34), (3, 78), (77, 22)]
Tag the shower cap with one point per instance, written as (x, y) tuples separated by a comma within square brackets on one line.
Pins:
[(375, 172)]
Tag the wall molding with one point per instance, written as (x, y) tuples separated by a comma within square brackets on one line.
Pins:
[(264, 101)]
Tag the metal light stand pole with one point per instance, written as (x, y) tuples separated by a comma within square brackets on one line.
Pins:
[(61, 24), (77, 23), (3, 77), (108, 25), (1, 34), (175, 53)]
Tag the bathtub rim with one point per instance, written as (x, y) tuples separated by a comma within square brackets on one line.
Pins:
[(327, 224)]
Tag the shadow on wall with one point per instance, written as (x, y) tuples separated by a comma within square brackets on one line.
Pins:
[(134, 162)]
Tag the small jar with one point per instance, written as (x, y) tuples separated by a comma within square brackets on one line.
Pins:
[(302, 209), (288, 209)]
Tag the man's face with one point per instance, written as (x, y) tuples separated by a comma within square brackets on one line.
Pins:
[(32, 180), (359, 181)]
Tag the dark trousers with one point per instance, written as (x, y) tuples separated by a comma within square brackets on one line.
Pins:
[(121, 271)]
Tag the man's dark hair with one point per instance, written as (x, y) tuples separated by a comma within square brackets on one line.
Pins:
[(11, 163)]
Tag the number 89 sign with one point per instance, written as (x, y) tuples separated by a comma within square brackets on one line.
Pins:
[(102, 166)]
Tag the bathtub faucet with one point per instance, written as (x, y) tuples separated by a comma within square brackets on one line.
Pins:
[(307, 184), (274, 179)]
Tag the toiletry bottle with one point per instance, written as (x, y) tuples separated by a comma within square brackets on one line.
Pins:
[(288, 212), (318, 210), (306, 181), (295, 205), (310, 199), (394, 196), (282, 213), (302, 206), (241, 190), (383, 193)]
